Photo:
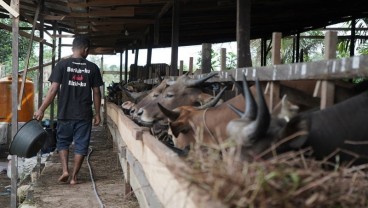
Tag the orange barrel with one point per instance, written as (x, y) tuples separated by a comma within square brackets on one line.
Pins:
[(27, 107)]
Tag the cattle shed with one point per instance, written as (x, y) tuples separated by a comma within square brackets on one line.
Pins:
[(116, 26)]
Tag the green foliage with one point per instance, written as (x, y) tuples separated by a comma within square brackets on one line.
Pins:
[(6, 48)]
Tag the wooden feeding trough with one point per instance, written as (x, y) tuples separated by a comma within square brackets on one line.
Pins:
[(149, 166)]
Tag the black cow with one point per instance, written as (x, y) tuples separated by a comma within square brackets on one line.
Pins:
[(337, 130)]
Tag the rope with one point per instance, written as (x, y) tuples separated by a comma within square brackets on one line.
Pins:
[(205, 125), (92, 179)]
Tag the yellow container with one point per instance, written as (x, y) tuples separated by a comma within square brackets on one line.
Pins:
[(27, 107)]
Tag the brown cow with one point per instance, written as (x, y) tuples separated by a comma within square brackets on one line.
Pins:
[(152, 95), (187, 121), (184, 91)]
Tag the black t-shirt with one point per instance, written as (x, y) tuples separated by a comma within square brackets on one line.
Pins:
[(77, 77)]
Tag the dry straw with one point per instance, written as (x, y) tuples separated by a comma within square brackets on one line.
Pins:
[(287, 180)]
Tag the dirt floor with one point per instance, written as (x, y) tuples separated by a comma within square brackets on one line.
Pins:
[(107, 174), (5, 182)]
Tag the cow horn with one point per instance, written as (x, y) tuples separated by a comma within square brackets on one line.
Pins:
[(237, 111), (237, 85), (194, 83), (172, 115), (262, 121), (250, 111), (213, 102), (159, 77)]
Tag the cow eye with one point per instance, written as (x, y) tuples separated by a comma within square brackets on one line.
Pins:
[(170, 95), (155, 95)]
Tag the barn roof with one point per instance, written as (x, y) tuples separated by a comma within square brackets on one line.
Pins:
[(211, 21)]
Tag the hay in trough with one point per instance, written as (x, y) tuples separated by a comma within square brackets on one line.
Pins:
[(287, 180)]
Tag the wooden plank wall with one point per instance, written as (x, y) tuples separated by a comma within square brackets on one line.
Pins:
[(148, 166)]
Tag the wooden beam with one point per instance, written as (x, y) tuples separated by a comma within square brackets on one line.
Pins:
[(122, 21), (23, 34), (112, 72), (175, 38), (14, 128), (28, 56), (9, 9), (276, 59), (206, 58), (243, 33), (356, 66), (120, 12), (105, 3), (223, 59), (156, 29), (328, 88)]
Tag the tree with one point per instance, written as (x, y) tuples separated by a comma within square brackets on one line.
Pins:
[(6, 48)]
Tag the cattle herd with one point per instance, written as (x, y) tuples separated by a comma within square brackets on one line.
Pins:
[(186, 110)]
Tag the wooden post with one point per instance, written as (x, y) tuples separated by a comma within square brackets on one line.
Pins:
[(136, 57), (327, 87), (190, 65), (126, 66), (102, 65), (352, 36), (150, 72), (53, 60), (181, 67), (149, 54), (15, 62), (243, 33), (263, 51), (206, 58), (167, 71), (223, 59), (40, 61), (175, 38), (28, 57), (121, 67), (276, 59)]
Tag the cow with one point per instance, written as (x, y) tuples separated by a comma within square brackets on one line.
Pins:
[(336, 130), (181, 129), (187, 121), (152, 95), (184, 91)]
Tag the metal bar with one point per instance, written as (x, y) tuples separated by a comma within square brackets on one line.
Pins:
[(28, 57)]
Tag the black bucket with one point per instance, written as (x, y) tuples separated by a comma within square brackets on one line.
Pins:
[(28, 140)]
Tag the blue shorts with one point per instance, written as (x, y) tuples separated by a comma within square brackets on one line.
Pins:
[(78, 131)]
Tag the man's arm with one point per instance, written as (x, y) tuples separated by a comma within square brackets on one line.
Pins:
[(97, 105), (49, 98)]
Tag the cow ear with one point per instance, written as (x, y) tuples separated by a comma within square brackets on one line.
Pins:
[(178, 128), (298, 129)]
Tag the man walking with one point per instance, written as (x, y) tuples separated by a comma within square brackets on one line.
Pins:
[(75, 80)]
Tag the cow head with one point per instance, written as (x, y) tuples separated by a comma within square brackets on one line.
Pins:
[(152, 95), (255, 131), (184, 91), (181, 121)]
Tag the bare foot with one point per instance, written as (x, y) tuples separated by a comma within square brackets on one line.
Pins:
[(64, 177), (73, 181)]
